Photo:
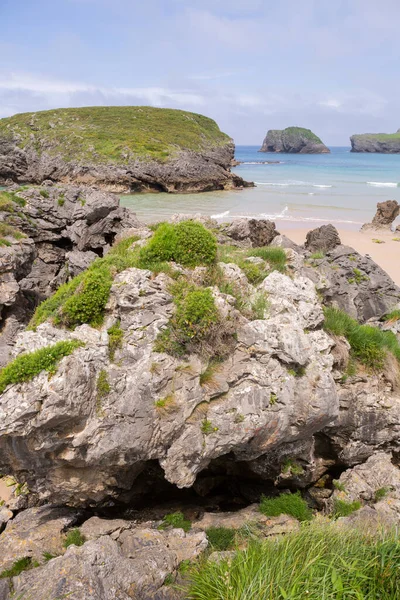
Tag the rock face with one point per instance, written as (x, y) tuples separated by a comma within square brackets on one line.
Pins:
[(257, 232), (385, 143), (148, 149), (386, 213), (323, 238), (293, 140)]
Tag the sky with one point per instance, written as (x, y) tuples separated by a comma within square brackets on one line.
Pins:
[(252, 65)]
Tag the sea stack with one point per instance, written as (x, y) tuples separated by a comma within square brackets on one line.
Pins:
[(293, 140), (384, 143)]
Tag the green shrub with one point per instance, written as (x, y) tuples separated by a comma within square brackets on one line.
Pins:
[(207, 427), (103, 387), (74, 537), (10, 231), (341, 508), (221, 538), (115, 337), (9, 200), (381, 493), (318, 255), (44, 193), (286, 504), (314, 563), (26, 366), (90, 298), (292, 467), (394, 315), (23, 564), (4, 242), (188, 243), (195, 314), (369, 344), (177, 521)]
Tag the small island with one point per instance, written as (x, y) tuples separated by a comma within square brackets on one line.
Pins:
[(122, 149), (293, 140), (384, 143)]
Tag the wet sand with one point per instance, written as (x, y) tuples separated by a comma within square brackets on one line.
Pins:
[(386, 254)]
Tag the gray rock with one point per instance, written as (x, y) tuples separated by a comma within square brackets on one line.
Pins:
[(385, 215), (323, 238), (254, 232), (293, 140), (375, 142), (266, 526), (135, 565), (33, 532)]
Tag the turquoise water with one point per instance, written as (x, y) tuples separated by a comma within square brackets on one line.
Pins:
[(299, 189)]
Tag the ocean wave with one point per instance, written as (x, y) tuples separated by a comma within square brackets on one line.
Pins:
[(390, 184), (294, 183), (221, 215), (263, 162)]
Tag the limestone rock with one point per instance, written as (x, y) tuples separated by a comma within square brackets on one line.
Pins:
[(135, 565), (293, 140), (386, 214), (323, 238), (385, 143), (254, 232), (32, 532)]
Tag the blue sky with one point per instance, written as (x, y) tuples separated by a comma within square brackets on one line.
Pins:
[(330, 65)]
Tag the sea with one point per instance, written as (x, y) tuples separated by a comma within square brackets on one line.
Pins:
[(297, 190)]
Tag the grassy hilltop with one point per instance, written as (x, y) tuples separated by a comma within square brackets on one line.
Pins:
[(305, 133), (113, 133)]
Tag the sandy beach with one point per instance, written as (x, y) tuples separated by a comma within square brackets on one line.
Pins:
[(386, 254)]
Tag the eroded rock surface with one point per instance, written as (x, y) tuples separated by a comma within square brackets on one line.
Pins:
[(254, 232), (386, 214), (323, 238)]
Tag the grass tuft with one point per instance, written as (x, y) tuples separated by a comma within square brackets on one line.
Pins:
[(21, 565), (221, 538), (342, 508), (175, 520), (115, 337), (74, 537), (286, 504), (26, 366)]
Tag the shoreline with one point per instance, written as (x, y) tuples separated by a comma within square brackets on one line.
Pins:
[(386, 254)]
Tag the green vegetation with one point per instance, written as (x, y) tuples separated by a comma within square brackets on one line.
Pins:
[(377, 241), (338, 485), (378, 137), (10, 231), (115, 337), (23, 564), (177, 521), (286, 504), (221, 538), (26, 366), (368, 344), (4, 242), (318, 255), (275, 261), (393, 316), (315, 563), (301, 131), (10, 202), (358, 277), (188, 243), (212, 368), (297, 371), (291, 467), (114, 133), (74, 537), (61, 201), (207, 427), (259, 305), (195, 314), (342, 508), (381, 493), (165, 404), (103, 387), (44, 193), (48, 556)]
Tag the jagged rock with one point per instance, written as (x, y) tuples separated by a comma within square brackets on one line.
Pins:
[(293, 140), (5, 515), (368, 420), (376, 482), (134, 565), (121, 433), (282, 241), (40, 149), (15, 262), (266, 526), (354, 283), (323, 238), (254, 232), (33, 532), (386, 143), (386, 214)]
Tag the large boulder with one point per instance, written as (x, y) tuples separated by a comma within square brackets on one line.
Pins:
[(252, 232), (156, 408), (293, 140), (323, 238), (385, 215)]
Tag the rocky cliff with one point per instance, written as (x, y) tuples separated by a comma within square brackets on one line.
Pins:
[(385, 143), (293, 140), (121, 149), (194, 367)]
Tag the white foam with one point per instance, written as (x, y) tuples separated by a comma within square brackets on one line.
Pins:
[(293, 183), (382, 184), (322, 186), (221, 215)]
